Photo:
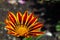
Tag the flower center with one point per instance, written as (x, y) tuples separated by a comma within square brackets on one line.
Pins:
[(21, 30)]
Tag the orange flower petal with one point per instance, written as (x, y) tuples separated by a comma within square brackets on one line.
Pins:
[(12, 17), (13, 33), (7, 22), (25, 17), (37, 32), (11, 24), (29, 18), (9, 28), (32, 21), (19, 17), (36, 27), (38, 23)]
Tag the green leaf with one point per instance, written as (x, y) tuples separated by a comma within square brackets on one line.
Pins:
[(58, 26), (37, 38), (30, 38), (1, 22)]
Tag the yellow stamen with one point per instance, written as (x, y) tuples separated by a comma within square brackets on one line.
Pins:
[(21, 30)]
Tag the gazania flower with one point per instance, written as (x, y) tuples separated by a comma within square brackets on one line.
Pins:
[(23, 25)]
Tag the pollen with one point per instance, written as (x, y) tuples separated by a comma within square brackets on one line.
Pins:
[(21, 30)]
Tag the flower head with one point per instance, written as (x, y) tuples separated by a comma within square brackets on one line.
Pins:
[(23, 25)]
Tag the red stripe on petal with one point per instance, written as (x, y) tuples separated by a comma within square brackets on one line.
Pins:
[(36, 24), (32, 21), (37, 32), (19, 17), (24, 17), (12, 24), (12, 18), (9, 28), (9, 23), (36, 27), (30, 17), (13, 33)]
